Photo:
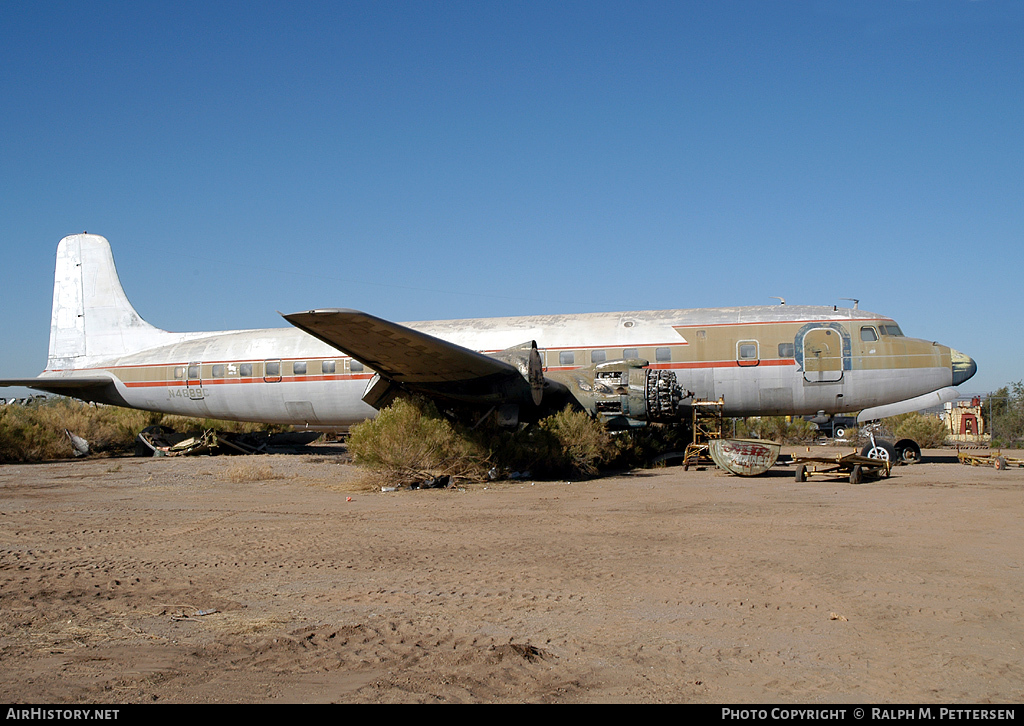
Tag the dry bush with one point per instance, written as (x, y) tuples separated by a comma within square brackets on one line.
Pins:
[(409, 440), (777, 428), (250, 470), (583, 443), (36, 432), (928, 431)]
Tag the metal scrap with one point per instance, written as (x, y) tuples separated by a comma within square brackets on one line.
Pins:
[(160, 441)]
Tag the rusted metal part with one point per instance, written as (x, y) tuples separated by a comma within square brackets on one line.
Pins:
[(999, 461), (744, 457), (854, 466)]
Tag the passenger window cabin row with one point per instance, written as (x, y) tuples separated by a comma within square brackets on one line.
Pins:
[(746, 350), (271, 368)]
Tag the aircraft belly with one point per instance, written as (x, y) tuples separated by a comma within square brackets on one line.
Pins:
[(868, 388), (334, 403)]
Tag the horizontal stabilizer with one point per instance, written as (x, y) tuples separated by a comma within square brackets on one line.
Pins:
[(57, 385), (935, 398)]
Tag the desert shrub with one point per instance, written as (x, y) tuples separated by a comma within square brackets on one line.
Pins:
[(36, 432), (409, 440), (928, 431), (576, 443), (247, 470), (639, 447), (776, 428)]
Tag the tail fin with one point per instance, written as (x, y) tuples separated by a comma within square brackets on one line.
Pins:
[(92, 318)]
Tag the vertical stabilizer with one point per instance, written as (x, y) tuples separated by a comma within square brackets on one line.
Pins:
[(92, 319)]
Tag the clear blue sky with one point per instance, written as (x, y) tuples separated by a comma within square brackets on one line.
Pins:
[(423, 160)]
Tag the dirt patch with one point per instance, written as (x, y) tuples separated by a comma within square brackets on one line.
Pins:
[(178, 580)]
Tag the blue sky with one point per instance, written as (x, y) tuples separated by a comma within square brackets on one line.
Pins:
[(425, 160)]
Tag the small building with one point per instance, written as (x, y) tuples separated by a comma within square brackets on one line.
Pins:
[(965, 422)]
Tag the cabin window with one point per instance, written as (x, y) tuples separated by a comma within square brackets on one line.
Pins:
[(327, 366), (299, 368), (868, 334), (193, 372), (598, 356), (787, 350), (748, 351), (893, 330), (663, 354), (355, 366), (245, 370), (566, 358), (179, 371), (273, 368), (218, 371), (630, 353)]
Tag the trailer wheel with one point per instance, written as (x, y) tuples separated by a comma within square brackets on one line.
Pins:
[(839, 433), (1000, 463), (856, 475), (801, 473)]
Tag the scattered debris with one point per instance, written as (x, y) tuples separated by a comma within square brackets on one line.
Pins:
[(196, 614), (494, 474), (161, 441), (78, 444), (837, 616), (437, 482)]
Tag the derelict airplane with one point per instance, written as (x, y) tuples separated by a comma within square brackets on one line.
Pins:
[(336, 367)]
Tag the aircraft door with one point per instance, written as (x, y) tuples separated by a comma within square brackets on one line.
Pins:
[(194, 380), (823, 356)]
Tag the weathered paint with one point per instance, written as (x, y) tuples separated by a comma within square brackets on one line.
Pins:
[(744, 457), (96, 336)]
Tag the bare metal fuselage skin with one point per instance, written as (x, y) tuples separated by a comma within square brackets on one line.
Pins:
[(767, 360)]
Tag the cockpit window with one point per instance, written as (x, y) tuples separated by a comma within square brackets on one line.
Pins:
[(868, 334), (893, 330)]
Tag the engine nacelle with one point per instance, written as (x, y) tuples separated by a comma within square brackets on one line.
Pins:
[(625, 392)]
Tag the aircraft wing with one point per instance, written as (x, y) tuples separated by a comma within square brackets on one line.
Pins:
[(415, 360)]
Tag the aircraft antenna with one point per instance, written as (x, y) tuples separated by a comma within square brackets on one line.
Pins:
[(854, 300), (782, 300)]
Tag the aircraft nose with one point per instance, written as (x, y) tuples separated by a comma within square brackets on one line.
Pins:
[(963, 367)]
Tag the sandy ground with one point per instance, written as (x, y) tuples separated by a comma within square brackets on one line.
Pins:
[(165, 580)]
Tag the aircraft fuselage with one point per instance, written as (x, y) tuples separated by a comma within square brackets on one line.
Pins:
[(758, 360)]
